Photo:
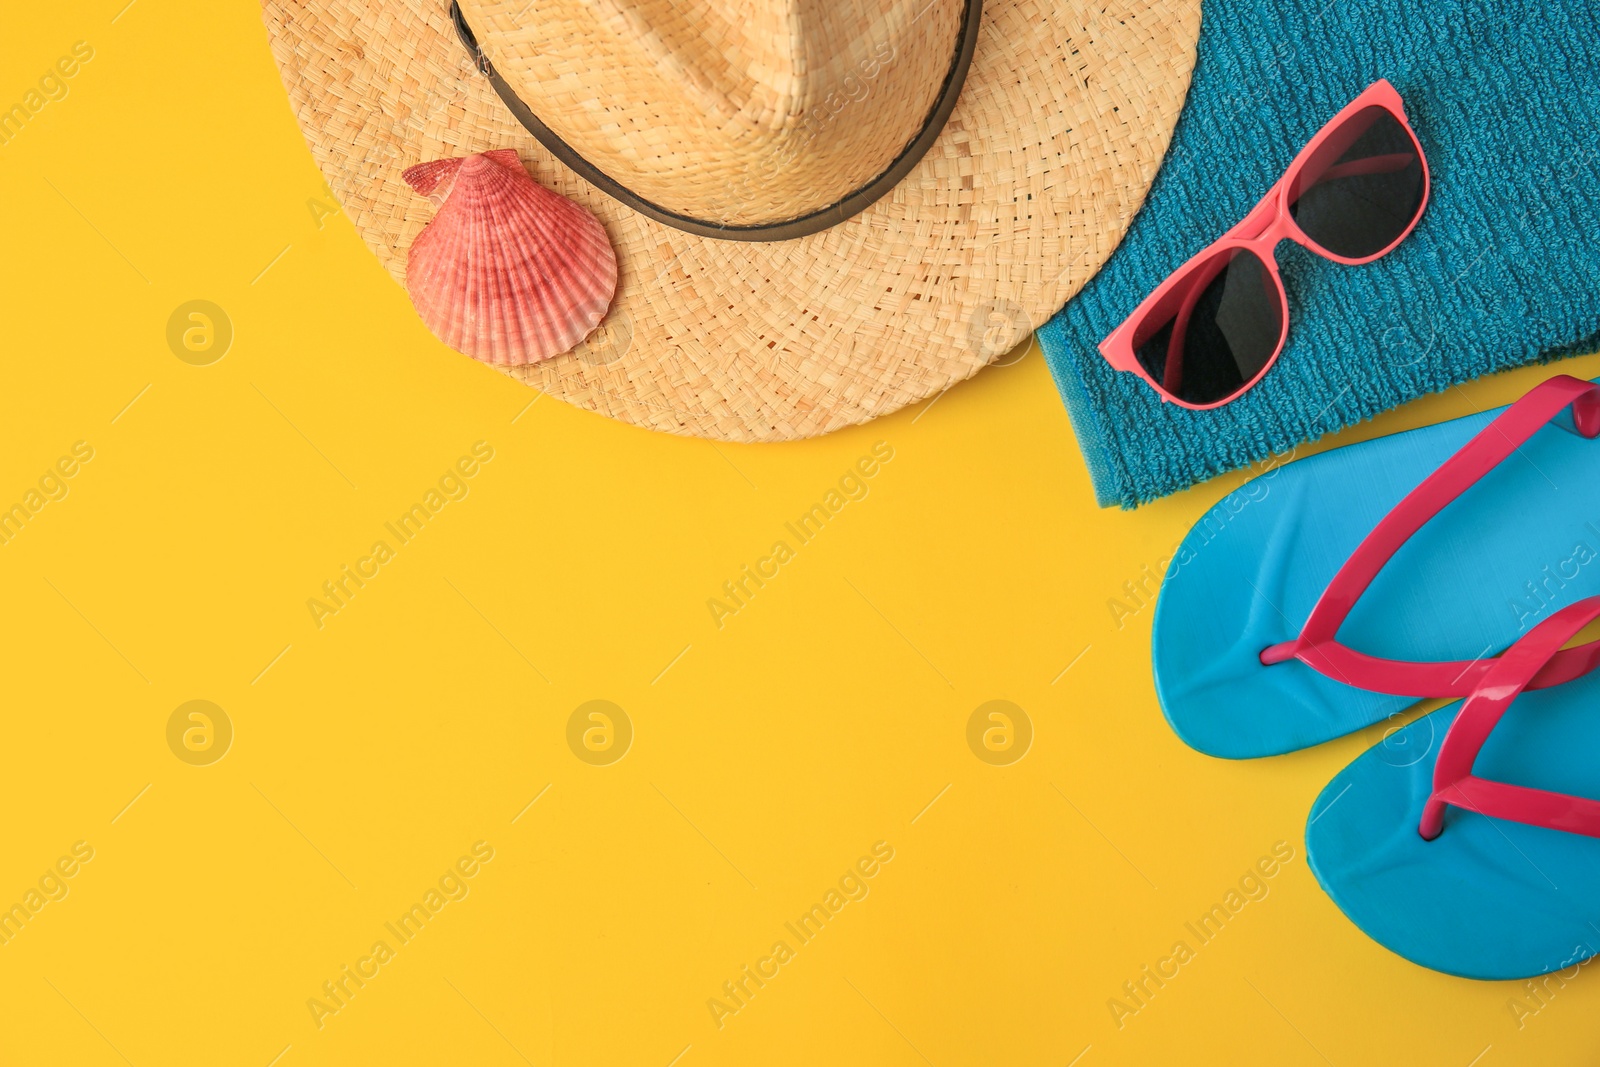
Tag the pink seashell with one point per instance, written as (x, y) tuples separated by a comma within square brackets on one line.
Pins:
[(507, 271)]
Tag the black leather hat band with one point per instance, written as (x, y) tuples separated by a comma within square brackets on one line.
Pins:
[(775, 231)]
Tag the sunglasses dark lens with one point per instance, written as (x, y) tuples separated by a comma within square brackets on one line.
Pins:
[(1214, 334), (1364, 190)]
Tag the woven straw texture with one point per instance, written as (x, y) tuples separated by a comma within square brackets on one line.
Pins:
[(727, 115), (1064, 118)]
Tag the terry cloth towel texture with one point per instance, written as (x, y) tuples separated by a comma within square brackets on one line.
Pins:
[(1501, 271)]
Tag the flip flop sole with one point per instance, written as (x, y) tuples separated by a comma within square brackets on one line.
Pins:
[(1487, 898), (1521, 543)]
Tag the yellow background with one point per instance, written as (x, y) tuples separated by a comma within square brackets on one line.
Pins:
[(768, 755)]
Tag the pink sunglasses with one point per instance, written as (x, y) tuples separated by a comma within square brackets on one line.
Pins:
[(1216, 325)]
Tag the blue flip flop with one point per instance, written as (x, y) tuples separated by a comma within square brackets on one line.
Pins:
[(1379, 574), (1443, 844)]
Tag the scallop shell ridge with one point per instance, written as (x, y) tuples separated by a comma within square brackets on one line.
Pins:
[(507, 271)]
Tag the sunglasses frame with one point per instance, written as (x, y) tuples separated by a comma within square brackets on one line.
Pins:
[(1260, 232)]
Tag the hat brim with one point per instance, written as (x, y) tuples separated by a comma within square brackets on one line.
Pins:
[(1063, 121)]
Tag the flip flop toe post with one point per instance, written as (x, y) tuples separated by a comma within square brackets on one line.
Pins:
[(1468, 841), (1333, 592)]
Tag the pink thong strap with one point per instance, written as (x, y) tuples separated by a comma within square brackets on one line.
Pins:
[(1318, 646), (1453, 780)]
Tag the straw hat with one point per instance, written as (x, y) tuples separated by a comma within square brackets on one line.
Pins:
[(822, 210)]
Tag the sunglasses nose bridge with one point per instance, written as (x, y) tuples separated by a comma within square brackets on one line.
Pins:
[(1262, 222)]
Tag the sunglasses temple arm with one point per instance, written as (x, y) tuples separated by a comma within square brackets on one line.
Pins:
[(1371, 165)]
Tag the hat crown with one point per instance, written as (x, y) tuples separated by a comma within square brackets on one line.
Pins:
[(740, 113)]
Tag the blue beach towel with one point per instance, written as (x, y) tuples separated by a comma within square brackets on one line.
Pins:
[(1501, 271)]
